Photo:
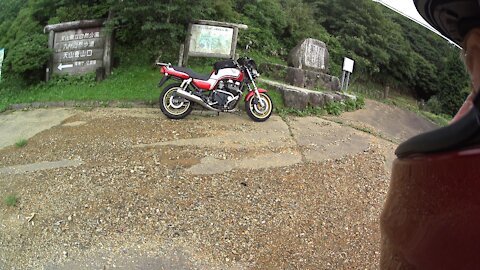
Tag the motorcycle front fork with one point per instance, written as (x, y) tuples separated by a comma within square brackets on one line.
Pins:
[(257, 98)]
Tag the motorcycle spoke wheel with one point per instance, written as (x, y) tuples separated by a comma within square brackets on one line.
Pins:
[(173, 106), (260, 109)]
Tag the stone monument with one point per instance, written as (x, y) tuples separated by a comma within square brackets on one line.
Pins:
[(309, 67), (306, 74), (310, 54)]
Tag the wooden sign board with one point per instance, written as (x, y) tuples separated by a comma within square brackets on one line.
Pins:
[(79, 47)]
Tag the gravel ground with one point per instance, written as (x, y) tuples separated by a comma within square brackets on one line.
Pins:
[(139, 207)]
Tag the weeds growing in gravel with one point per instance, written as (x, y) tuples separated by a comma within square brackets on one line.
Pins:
[(125, 105), (11, 200), (21, 143)]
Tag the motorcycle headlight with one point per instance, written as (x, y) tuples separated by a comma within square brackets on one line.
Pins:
[(255, 73)]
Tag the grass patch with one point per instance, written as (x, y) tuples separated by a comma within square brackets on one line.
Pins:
[(11, 200), (21, 143), (125, 84), (441, 120)]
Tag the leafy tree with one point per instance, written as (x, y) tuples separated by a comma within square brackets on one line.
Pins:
[(453, 84), (26, 45), (365, 38)]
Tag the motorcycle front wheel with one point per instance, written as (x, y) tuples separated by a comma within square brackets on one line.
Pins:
[(173, 106), (259, 110)]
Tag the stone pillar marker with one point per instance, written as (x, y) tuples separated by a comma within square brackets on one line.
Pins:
[(310, 54), (309, 66)]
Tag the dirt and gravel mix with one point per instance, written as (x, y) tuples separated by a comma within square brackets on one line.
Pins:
[(132, 202)]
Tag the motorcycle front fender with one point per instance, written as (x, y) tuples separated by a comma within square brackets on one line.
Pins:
[(252, 93)]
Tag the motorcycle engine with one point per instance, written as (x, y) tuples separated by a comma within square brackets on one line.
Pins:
[(226, 94)]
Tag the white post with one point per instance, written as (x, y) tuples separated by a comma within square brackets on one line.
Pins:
[(180, 58), (348, 81)]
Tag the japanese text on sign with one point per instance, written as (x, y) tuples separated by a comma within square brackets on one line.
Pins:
[(78, 51), (80, 36), (84, 63), (77, 54), (75, 45)]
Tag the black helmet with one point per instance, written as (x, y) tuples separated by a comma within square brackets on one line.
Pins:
[(452, 18)]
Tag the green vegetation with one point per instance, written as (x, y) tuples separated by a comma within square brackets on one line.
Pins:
[(332, 108), (11, 200), (127, 84), (388, 49), (21, 143)]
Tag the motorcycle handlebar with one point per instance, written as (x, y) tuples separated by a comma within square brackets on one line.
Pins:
[(158, 64)]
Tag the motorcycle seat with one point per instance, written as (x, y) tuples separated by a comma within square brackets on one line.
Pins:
[(192, 74), (464, 133)]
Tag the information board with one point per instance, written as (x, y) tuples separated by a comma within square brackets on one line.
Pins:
[(211, 40)]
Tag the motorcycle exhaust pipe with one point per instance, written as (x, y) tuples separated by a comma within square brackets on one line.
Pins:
[(198, 100)]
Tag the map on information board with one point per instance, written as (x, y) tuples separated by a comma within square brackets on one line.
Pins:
[(213, 40)]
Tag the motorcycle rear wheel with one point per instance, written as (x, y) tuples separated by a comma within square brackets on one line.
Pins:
[(173, 106), (259, 110)]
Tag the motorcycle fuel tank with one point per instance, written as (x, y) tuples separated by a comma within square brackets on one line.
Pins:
[(226, 73)]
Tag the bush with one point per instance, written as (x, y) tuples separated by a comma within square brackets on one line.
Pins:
[(335, 108), (360, 102), (434, 105)]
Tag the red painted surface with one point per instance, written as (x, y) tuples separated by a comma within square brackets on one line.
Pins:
[(202, 84), (163, 70), (431, 219), (177, 74), (252, 93), (241, 77)]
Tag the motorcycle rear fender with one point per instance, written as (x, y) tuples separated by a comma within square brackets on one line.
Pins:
[(174, 73), (163, 80), (252, 93), (166, 78)]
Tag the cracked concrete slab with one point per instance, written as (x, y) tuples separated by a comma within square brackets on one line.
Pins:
[(273, 133), (210, 165), (320, 139), (28, 168), (20, 125), (308, 138)]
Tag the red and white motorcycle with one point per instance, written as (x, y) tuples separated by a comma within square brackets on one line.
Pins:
[(220, 91)]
